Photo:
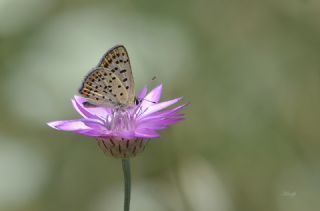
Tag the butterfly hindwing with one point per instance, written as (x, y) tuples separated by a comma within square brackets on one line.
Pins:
[(116, 60), (102, 87)]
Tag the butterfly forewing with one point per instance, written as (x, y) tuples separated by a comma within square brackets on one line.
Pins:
[(116, 60), (102, 87)]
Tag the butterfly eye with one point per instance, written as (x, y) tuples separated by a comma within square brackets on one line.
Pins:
[(136, 101)]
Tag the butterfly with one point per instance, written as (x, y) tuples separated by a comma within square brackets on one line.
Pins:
[(111, 82)]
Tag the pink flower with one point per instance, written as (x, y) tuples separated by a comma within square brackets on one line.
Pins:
[(124, 132)]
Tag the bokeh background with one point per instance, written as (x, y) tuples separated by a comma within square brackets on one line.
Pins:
[(250, 70)]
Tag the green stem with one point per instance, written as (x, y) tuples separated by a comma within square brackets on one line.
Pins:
[(127, 183)]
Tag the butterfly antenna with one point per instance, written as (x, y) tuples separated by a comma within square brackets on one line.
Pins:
[(148, 101), (152, 79), (137, 100)]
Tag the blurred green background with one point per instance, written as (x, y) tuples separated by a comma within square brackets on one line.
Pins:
[(250, 70)]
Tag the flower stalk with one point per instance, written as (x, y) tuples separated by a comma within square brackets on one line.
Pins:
[(127, 183)]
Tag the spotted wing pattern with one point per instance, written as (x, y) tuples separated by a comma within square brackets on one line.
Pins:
[(103, 87), (116, 60)]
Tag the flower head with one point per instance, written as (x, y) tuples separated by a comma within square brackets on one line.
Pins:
[(123, 132)]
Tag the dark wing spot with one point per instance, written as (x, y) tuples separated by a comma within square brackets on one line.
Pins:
[(119, 86), (113, 78), (127, 87), (125, 79), (121, 94), (123, 71)]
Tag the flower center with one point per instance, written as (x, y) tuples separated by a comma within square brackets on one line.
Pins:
[(120, 120)]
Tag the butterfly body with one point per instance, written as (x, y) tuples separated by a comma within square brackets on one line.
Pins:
[(111, 82)]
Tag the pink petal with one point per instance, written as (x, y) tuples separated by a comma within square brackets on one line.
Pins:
[(153, 126), (142, 93), (94, 112), (152, 118), (146, 133), (81, 126), (152, 98), (159, 106), (69, 125), (94, 125), (125, 134), (77, 104), (92, 133), (159, 124), (171, 113)]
